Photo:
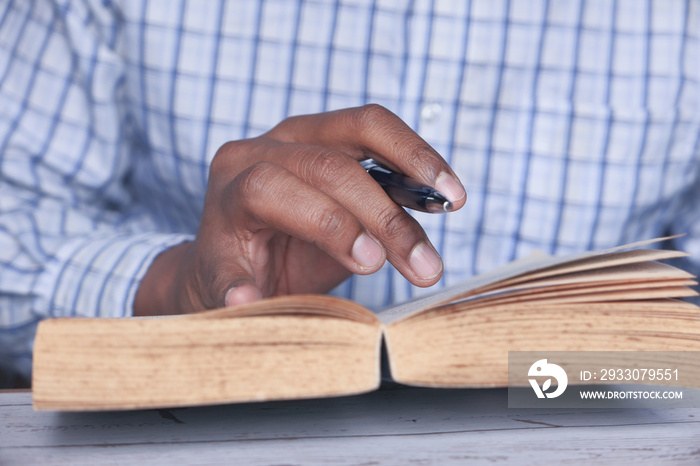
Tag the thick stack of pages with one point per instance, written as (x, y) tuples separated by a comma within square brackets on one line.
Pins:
[(308, 346)]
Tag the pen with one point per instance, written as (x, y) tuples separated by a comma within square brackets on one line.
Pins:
[(406, 191)]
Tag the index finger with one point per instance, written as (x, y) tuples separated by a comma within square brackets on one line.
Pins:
[(372, 131)]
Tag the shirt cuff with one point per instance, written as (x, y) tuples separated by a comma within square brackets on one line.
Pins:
[(99, 277)]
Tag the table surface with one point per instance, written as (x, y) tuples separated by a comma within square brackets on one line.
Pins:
[(395, 425)]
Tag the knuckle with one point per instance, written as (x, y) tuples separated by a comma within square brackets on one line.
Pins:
[(330, 165), (371, 115), (254, 185), (233, 157), (221, 158), (285, 130), (421, 158), (256, 179), (330, 222), (394, 224)]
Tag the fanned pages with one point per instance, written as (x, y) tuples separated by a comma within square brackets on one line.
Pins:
[(316, 346)]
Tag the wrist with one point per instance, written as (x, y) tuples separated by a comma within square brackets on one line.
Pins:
[(160, 289)]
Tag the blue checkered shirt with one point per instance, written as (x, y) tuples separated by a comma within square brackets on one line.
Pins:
[(572, 124)]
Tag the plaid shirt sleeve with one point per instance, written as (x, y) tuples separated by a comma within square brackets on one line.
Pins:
[(72, 241)]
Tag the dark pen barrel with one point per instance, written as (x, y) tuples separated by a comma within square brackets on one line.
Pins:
[(406, 191)]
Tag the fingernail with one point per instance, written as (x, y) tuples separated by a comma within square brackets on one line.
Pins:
[(450, 187), (229, 298), (366, 251), (243, 293), (425, 262)]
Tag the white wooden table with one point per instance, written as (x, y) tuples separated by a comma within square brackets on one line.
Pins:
[(392, 426)]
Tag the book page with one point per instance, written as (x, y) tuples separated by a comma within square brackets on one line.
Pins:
[(535, 262), (301, 304), (591, 292)]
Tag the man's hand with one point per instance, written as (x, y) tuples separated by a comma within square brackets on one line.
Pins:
[(292, 211)]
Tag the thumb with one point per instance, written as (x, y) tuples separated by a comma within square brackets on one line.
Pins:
[(242, 293), (236, 280)]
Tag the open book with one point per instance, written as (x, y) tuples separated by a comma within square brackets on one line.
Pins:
[(316, 346)]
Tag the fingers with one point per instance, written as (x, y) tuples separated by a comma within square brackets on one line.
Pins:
[(355, 223), (267, 195), (302, 180), (373, 131), (343, 179)]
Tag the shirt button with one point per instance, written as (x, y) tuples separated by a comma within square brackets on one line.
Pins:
[(430, 111)]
